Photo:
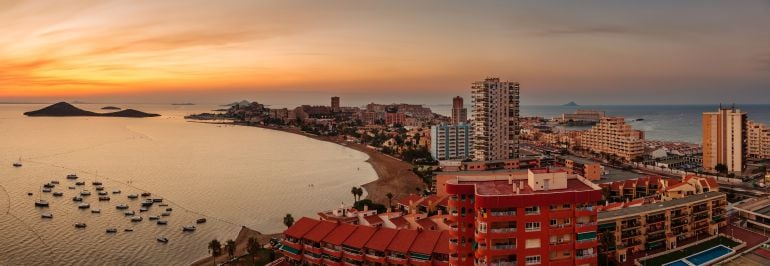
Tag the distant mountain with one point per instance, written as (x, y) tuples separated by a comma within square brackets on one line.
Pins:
[(110, 108), (66, 109), (571, 104)]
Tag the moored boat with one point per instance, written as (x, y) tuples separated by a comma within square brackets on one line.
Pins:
[(77, 198), (162, 222), (80, 225), (41, 203), (133, 196), (162, 239), (47, 215), (121, 206), (85, 193), (201, 220), (129, 213), (72, 177), (58, 194), (96, 210), (188, 228), (84, 206), (112, 230), (136, 218), (104, 198)]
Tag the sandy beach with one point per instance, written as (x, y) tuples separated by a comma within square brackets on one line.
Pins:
[(241, 242), (393, 175)]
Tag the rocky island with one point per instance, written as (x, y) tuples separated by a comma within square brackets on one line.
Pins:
[(66, 109)]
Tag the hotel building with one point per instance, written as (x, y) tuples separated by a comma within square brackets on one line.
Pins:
[(543, 218), (335, 104), (757, 140), (724, 135), (495, 119), (459, 112), (451, 142), (662, 225), (613, 136), (313, 242)]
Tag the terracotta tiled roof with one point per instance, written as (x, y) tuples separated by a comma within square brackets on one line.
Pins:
[(712, 182), (399, 222), (425, 242), (301, 227), (339, 234), (374, 219), (359, 237), (442, 245), (402, 241), (381, 239), (320, 231), (412, 197), (427, 223)]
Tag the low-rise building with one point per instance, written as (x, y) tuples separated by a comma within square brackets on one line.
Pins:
[(314, 242), (661, 225), (586, 168)]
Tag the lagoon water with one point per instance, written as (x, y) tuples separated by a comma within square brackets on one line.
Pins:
[(231, 175)]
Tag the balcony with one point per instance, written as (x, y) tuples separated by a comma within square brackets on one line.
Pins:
[(502, 213), (397, 260), (503, 246), (504, 263), (332, 252)]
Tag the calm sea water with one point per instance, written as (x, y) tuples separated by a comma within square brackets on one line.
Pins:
[(231, 175), (661, 122)]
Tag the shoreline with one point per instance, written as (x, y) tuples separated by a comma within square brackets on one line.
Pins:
[(241, 242), (393, 175)]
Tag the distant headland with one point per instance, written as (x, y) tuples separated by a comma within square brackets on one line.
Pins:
[(66, 109), (571, 104)]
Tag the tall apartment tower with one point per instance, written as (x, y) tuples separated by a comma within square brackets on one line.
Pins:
[(335, 104), (724, 139), (495, 119), (459, 113)]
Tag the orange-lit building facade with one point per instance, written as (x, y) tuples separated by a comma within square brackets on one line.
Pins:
[(545, 218)]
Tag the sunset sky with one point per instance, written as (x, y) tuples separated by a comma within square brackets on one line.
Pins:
[(592, 52)]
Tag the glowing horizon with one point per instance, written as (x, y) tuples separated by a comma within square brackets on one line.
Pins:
[(616, 51)]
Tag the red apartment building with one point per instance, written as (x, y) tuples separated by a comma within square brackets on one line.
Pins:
[(543, 218), (314, 242)]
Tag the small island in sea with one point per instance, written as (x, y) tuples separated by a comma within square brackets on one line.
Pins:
[(110, 108), (182, 104), (66, 109), (571, 104)]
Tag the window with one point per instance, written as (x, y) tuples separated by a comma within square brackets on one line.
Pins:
[(554, 222), (533, 243), (533, 260), (532, 210), (532, 227)]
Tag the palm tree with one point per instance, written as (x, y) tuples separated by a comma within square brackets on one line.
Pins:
[(288, 220), (390, 199), (230, 247), (215, 248), (359, 192), (253, 247), (354, 191)]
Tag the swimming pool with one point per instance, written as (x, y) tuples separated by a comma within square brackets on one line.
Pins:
[(703, 257)]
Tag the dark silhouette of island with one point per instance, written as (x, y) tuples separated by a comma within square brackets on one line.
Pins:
[(571, 104), (66, 109), (110, 108)]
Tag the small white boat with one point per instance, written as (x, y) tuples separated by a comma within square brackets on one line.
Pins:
[(17, 163), (157, 200), (136, 218), (46, 190), (72, 176), (163, 205), (96, 183), (58, 194), (154, 217), (162, 239), (116, 191), (80, 225), (165, 214), (71, 187), (162, 222), (146, 194), (121, 206), (128, 230), (102, 193), (29, 194), (112, 230), (143, 209), (85, 193), (147, 203), (104, 198), (189, 228), (48, 185), (128, 213), (133, 196), (41, 203), (96, 210), (80, 183), (99, 188), (55, 182), (84, 206), (47, 215), (200, 221)]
